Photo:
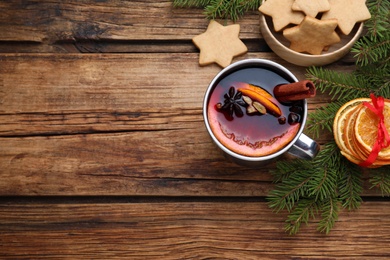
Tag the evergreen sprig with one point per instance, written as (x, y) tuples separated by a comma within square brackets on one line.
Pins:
[(320, 188), (221, 9), (308, 189), (381, 180), (330, 182)]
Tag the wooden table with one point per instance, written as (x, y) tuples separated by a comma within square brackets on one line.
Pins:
[(104, 153)]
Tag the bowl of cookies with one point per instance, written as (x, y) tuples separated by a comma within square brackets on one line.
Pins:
[(312, 32)]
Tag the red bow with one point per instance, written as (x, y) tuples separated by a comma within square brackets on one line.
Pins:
[(383, 137)]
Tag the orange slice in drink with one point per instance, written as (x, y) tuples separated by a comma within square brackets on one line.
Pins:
[(263, 99), (258, 148), (258, 90)]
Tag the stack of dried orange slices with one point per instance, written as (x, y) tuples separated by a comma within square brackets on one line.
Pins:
[(356, 130)]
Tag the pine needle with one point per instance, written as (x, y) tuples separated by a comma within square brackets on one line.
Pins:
[(221, 9), (322, 119), (330, 211), (332, 182), (191, 3), (305, 210), (380, 178), (350, 185), (339, 85)]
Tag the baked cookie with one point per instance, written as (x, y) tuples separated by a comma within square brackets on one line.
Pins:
[(311, 7), (219, 44), (347, 13), (281, 13), (312, 35)]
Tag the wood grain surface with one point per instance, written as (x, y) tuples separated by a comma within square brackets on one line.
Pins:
[(184, 230), (104, 153), (119, 117)]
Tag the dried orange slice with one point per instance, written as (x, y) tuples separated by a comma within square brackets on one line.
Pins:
[(342, 123), (350, 157), (348, 132), (366, 130), (347, 137), (340, 119), (355, 131)]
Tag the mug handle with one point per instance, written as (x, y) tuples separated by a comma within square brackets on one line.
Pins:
[(305, 148)]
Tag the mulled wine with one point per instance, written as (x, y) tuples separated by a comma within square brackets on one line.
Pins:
[(246, 117)]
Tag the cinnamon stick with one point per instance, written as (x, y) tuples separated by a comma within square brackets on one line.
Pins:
[(295, 91)]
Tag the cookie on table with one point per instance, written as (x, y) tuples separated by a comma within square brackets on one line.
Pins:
[(311, 7), (348, 13), (312, 35), (281, 13), (219, 44)]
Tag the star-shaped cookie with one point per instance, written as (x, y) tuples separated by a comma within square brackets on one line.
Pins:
[(219, 44), (347, 12), (281, 13), (312, 35), (311, 7)]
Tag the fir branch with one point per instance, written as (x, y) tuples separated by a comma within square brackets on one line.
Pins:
[(330, 212), (290, 190), (323, 183), (191, 3), (305, 188), (217, 9), (322, 118), (341, 86), (284, 169), (374, 47), (230, 9), (376, 78), (350, 185), (319, 185), (380, 17), (371, 49), (221, 9), (333, 180), (305, 210), (380, 178)]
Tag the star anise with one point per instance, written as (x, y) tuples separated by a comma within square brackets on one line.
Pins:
[(232, 103)]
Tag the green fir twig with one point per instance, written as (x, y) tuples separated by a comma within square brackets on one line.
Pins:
[(221, 9), (308, 188), (190, 3), (330, 212), (330, 182), (381, 180), (322, 187)]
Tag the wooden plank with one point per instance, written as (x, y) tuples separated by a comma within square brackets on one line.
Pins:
[(184, 230), (115, 125), (108, 46), (102, 82), (164, 163), (180, 162), (52, 21), (110, 92), (54, 83)]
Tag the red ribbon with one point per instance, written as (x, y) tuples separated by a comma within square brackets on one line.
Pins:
[(383, 137)]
